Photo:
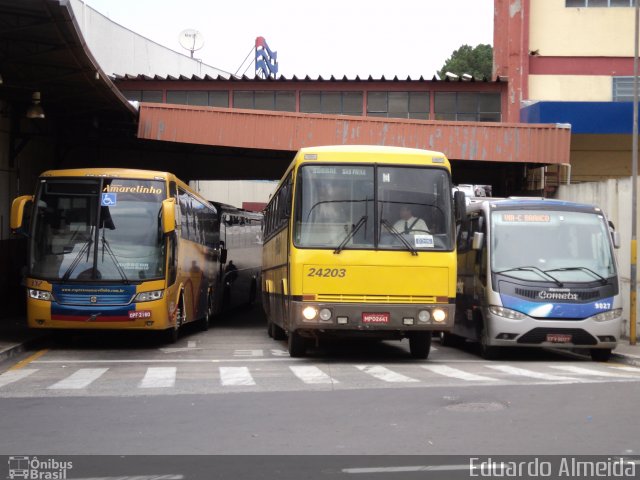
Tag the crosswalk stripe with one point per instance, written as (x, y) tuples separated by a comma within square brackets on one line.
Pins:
[(523, 372), (14, 375), (236, 376), (383, 373), (588, 371), (79, 379), (457, 373), (159, 377), (311, 375)]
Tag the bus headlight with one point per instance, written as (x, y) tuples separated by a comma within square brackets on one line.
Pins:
[(439, 315), (39, 295), (606, 316), (506, 312), (149, 296), (310, 313), (424, 316), (325, 314)]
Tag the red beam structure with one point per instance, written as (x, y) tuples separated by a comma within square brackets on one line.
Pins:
[(542, 144)]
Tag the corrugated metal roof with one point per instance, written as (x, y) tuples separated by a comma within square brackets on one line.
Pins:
[(286, 131), (306, 78)]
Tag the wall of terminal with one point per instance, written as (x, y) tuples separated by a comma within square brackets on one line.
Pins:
[(558, 30), (477, 102), (235, 192), (570, 88), (119, 50)]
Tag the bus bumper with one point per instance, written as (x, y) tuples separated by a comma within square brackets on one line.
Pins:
[(343, 317), (531, 332)]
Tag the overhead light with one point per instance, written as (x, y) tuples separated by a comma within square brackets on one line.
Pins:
[(467, 77), (451, 76), (35, 109)]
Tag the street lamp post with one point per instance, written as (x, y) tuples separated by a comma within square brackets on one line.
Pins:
[(634, 184)]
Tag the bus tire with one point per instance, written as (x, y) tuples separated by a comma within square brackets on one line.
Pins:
[(600, 354), (297, 345), (173, 333), (276, 332), (420, 344), (204, 321), (488, 352)]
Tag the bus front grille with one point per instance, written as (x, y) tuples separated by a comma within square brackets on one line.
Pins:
[(340, 298)]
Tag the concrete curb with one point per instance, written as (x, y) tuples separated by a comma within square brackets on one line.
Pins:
[(627, 359), (21, 347)]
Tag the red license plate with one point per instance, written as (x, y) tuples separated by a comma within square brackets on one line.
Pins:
[(375, 318), (558, 338)]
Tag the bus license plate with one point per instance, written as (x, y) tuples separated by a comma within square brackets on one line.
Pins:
[(375, 317), (558, 338)]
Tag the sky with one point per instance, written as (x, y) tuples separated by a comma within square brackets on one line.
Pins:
[(327, 37)]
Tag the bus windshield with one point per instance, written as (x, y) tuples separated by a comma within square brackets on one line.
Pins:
[(551, 246), (98, 229), (373, 206)]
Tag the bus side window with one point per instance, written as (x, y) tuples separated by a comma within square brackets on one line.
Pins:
[(481, 258)]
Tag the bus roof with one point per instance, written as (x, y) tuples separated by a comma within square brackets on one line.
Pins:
[(530, 203), (109, 172)]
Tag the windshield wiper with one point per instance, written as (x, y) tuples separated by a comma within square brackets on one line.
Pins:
[(85, 248), (105, 245), (397, 234), (542, 273), (350, 235), (600, 278)]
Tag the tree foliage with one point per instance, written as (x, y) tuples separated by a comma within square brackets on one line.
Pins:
[(477, 61)]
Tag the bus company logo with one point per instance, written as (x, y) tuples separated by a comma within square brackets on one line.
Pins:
[(34, 468), (557, 294), (131, 189), (93, 299)]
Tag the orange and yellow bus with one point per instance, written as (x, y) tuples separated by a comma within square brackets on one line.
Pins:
[(130, 249), (360, 240)]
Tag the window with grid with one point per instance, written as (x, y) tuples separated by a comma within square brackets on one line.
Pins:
[(153, 96), (599, 3), (622, 89), (282, 101), (398, 105), (467, 106), (337, 103)]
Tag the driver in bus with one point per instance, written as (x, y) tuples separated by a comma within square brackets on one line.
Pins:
[(408, 223)]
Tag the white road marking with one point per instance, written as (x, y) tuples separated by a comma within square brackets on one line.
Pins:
[(410, 468), (383, 373), (236, 376), (14, 375), (589, 371), (277, 352), (457, 373), (523, 372), (137, 477), (79, 379), (191, 344), (626, 368), (174, 360), (249, 353), (159, 377), (312, 375)]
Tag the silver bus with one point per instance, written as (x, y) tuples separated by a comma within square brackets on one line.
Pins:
[(535, 272)]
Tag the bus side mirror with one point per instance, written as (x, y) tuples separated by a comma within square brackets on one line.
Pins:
[(18, 208), (615, 236), (459, 206), (168, 215), (478, 239)]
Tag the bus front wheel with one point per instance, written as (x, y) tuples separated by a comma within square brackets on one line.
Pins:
[(420, 344), (275, 332), (297, 344), (181, 315), (488, 352)]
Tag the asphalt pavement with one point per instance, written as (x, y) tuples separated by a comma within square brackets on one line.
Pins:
[(16, 338)]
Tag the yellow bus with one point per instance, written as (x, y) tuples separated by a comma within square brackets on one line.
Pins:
[(360, 240), (130, 249)]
